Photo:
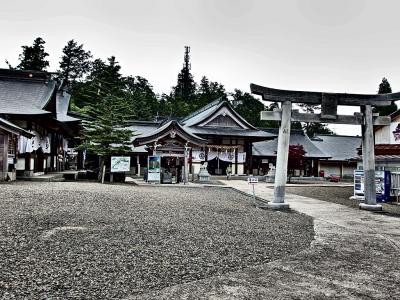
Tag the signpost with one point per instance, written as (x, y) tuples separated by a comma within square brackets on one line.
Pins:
[(253, 181)]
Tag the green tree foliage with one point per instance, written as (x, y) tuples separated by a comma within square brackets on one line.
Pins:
[(141, 98), (208, 92), (185, 88), (33, 57), (250, 108), (103, 79), (385, 88), (75, 62), (105, 133), (313, 128)]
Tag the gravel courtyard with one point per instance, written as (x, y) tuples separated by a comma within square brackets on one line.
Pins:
[(92, 241)]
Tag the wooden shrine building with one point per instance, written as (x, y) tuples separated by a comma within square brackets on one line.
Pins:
[(36, 106), (215, 134)]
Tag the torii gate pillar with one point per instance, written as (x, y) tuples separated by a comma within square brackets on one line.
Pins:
[(368, 152), (282, 158), (329, 103)]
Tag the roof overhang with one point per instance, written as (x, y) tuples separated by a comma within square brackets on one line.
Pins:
[(171, 129), (14, 129)]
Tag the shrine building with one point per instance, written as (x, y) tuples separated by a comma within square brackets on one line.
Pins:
[(215, 134)]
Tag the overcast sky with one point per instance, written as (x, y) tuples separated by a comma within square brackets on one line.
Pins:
[(318, 45)]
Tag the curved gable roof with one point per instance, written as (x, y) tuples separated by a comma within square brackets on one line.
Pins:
[(210, 111), (168, 128)]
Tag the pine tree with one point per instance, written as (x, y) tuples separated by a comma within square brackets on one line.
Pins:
[(103, 79), (75, 62), (105, 133), (33, 57), (385, 88), (141, 98), (313, 128), (250, 108), (183, 94), (208, 92)]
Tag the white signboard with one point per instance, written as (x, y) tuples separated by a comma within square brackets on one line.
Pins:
[(252, 180), (154, 169), (120, 163)]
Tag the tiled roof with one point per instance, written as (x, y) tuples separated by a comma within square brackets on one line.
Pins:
[(231, 132), (210, 109), (338, 147), (25, 97), (165, 128), (63, 99), (269, 148)]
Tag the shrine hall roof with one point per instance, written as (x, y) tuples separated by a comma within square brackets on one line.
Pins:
[(339, 147), (269, 148), (25, 95)]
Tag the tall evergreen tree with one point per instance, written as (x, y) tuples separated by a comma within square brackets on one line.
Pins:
[(103, 79), (182, 97), (105, 133), (142, 100), (250, 108), (385, 88), (208, 92), (75, 62), (33, 57), (313, 128), (185, 87)]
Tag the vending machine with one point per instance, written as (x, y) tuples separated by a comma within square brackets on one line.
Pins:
[(382, 184)]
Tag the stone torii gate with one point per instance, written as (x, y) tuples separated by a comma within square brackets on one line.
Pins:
[(329, 103)]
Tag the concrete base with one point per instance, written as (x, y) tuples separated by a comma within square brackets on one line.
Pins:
[(280, 206), (371, 207)]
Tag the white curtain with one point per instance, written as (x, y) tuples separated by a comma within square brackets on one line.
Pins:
[(198, 156), (227, 156), (45, 144), (22, 141), (241, 157), (211, 155)]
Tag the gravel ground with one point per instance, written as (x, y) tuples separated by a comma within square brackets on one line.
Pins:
[(339, 195), (72, 240)]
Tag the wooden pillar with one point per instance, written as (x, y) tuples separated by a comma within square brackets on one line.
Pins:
[(368, 153), (3, 156), (138, 165), (282, 158), (236, 160)]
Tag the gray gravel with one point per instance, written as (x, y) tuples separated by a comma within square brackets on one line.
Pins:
[(91, 241)]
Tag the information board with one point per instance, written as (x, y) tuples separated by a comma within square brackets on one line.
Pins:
[(154, 169), (120, 163)]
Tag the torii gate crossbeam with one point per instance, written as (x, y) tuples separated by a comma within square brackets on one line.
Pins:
[(329, 103)]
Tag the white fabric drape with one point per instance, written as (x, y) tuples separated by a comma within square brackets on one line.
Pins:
[(241, 157), (227, 156), (198, 156), (22, 142), (45, 144), (211, 155), (65, 145)]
